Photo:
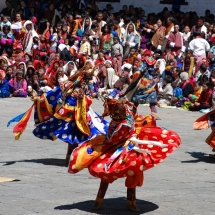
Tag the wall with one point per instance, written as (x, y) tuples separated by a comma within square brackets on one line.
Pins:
[(154, 5), (2, 5)]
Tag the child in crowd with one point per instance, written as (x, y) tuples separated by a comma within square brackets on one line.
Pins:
[(204, 101), (189, 63), (165, 95), (85, 46), (193, 97), (203, 75), (5, 22), (116, 48), (9, 73)]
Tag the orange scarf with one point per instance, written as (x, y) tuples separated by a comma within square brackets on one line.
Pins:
[(102, 40), (168, 29)]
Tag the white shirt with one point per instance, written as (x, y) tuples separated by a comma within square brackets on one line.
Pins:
[(199, 46), (186, 36)]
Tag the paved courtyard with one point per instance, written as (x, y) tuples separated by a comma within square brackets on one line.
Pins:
[(183, 184)]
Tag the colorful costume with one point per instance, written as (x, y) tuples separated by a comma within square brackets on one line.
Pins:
[(64, 113), (204, 122), (131, 145)]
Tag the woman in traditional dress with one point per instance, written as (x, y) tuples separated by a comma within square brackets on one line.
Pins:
[(70, 68), (106, 39), (28, 39), (18, 85), (131, 40), (131, 145)]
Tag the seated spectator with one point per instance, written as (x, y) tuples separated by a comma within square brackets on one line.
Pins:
[(61, 77), (204, 74), (165, 95), (4, 86), (9, 73), (111, 77), (187, 89), (193, 97), (18, 85), (204, 101), (43, 80)]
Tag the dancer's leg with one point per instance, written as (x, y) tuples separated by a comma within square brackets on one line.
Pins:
[(131, 198), (154, 110), (100, 196), (70, 149)]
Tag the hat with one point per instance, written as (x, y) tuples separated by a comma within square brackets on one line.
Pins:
[(184, 76), (108, 61)]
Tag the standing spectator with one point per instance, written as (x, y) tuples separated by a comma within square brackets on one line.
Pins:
[(176, 41), (8, 11), (199, 46), (99, 20), (131, 39), (85, 46), (200, 27), (106, 39), (158, 37), (52, 15), (116, 48)]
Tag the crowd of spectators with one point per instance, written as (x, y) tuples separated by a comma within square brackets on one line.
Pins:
[(44, 43)]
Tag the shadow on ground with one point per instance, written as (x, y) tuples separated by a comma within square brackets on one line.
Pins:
[(44, 161), (113, 206), (199, 157)]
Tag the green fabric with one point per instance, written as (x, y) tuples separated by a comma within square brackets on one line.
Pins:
[(186, 105), (193, 97)]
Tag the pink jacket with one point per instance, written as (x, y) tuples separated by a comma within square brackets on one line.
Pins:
[(22, 84)]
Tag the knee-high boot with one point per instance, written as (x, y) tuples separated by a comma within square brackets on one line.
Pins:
[(131, 199), (100, 196)]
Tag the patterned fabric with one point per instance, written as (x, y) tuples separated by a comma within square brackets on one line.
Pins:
[(146, 92), (204, 122), (66, 120), (116, 156)]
